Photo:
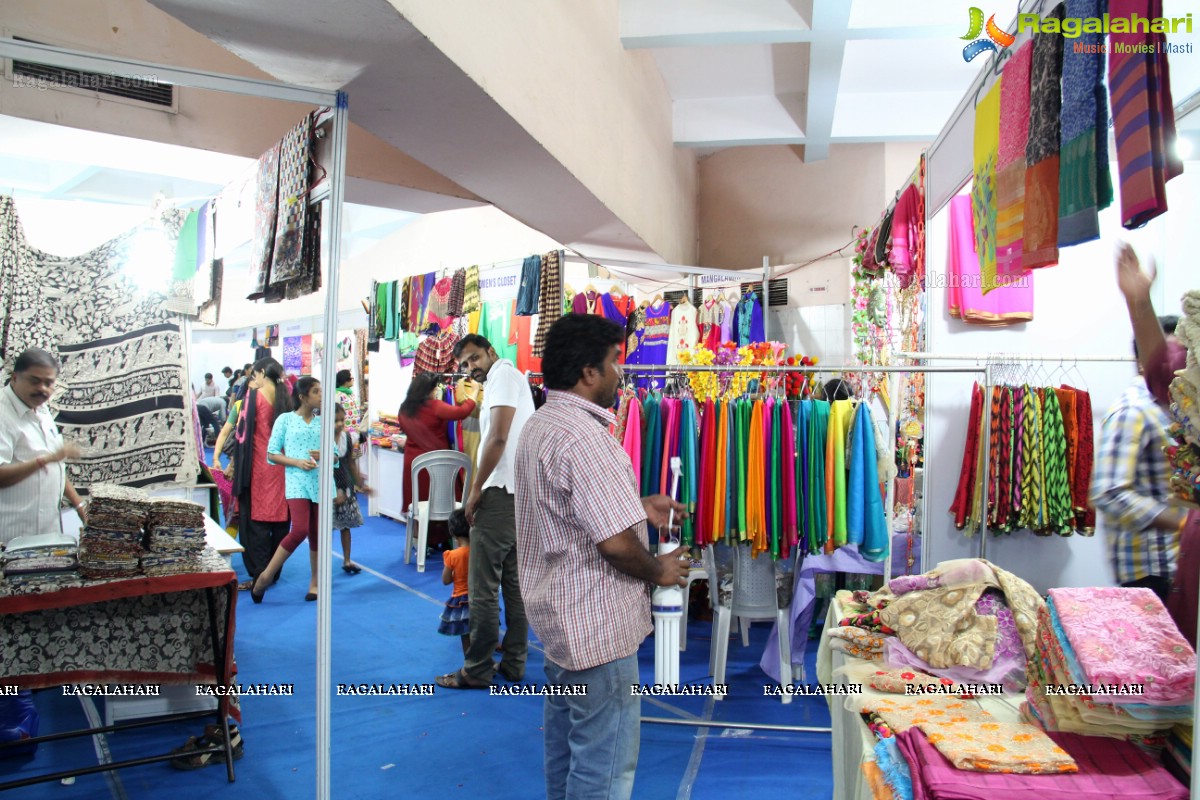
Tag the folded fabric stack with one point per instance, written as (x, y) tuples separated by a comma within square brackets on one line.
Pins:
[(1184, 453), (1119, 644), (1178, 753), (1105, 769), (174, 537), (42, 559), (977, 623), (111, 544)]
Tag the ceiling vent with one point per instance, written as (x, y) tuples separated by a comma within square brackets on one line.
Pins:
[(141, 89)]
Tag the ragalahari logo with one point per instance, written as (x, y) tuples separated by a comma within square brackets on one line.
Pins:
[(995, 35)]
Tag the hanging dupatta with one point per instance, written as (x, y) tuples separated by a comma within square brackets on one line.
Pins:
[(983, 186), (755, 530), (818, 433), (963, 494), (1010, 164), (688, 448), (876, 540), (1085, 513), (800, 429), (706, 495), (788, 482), (841, 414), (632, 441), (777, 484), (741, 417), (1084, 181), (1039, 248), (1060, 514), (723, 480)]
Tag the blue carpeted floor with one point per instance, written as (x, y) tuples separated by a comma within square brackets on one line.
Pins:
[(466, 743)]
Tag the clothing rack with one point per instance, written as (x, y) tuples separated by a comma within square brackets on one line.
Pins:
[(991, 361), (1009, 358), (893, 411)]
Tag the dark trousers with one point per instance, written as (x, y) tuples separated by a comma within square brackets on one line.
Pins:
[(493, 565), (260, 540), (1156, 583), (207, 419)]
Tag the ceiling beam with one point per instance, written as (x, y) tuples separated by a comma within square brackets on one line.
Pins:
[(824, 75), (662, 39), (717, 144)]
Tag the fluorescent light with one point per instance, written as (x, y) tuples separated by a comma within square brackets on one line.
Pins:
[(1183, 147)]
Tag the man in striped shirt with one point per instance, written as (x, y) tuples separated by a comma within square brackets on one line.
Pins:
[(584, 562), (1130, 488)]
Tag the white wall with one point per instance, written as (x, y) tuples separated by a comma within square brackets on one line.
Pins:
[(1078, 310)]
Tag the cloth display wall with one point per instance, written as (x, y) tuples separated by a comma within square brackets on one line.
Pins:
[(1078, 311), (123, 385)]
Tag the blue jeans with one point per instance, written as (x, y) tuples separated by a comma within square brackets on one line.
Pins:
[(592, 742)]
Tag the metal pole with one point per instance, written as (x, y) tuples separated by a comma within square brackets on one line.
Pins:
[(895, 387), (766, 305), (1011, 356), (746, 726), (682, 369), (986, 449), (337, 178)]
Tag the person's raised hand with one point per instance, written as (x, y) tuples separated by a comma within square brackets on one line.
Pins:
[(1133, 281), (69, 452)]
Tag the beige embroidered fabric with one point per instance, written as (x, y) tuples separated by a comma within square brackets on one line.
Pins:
[(1012, 747), (903, 713), (942, 628)]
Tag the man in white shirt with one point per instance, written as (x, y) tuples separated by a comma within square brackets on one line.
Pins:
[(33, 479), (209, 389), (491, 510)]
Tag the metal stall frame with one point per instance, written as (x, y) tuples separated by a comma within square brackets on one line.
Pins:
[(270, 90)]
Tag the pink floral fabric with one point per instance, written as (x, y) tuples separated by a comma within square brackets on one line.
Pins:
[(1125, 636)]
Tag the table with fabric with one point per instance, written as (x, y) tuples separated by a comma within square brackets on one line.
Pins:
[(853, 743), (171, 629)]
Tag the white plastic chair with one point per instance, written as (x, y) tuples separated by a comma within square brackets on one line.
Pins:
[(754, 599), (443, 467)]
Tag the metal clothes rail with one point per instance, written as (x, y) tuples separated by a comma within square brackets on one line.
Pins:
[(993, 361), (895, 390)]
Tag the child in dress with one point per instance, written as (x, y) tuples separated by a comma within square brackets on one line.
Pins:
[(348, 481), (456, 619)]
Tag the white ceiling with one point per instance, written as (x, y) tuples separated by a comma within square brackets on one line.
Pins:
[(805, 72), (53, 171), (814, 72)]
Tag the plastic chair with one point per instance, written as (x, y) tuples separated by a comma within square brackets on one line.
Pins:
[(443, 467), (754, 599)]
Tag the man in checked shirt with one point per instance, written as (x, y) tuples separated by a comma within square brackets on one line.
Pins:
[(583, 561), (1129, 487)]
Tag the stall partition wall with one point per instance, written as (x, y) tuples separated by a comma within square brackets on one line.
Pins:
[(309, 98), (1078, 311)]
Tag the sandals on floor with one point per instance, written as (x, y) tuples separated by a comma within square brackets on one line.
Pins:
[(188, 757), (457, 680), (351, 569)]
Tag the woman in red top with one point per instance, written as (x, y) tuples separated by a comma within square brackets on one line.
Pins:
[(258, 483), (423, 419)]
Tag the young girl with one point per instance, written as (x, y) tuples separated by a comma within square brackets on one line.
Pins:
[(349, 482), (456, 618), (295, 438)]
